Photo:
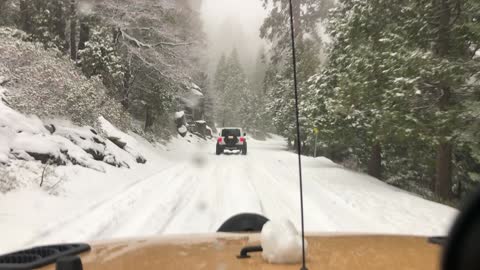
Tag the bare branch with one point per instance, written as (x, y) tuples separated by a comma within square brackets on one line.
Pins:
[(172, 44), (458, 8), (43, 172), (137, 43)]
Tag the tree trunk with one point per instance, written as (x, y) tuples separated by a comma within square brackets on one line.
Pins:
[(443, 166), (149, 119), (375, 162), (73, 30), (442, 47), (459, 189), (2, 8), (25, 16), (443, 183), (126, 88), (443, 174), (116, 33), (60, 26), (84, 35)]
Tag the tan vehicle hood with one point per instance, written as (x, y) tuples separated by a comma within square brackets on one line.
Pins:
[(219, 252)]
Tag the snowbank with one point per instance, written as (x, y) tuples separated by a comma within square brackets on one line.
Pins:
[(209, 130), (27, 138), (195, 90), (179, 114), (182, 130), (122, 140), (4, 148), (281, 242)]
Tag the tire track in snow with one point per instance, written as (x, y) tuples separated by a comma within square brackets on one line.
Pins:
[(324, 210), (185, 195), (81, 221), (137, 200), (212, 202)]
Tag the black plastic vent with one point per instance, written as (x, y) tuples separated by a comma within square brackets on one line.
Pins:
[(39, 256), (246, 222), (438, 240)]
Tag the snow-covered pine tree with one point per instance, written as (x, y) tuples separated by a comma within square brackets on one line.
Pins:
[(219, 88), (307, 15), (256, 119), (207, 106), (383, 83), (236, 87), (45, 21), (450, 40)]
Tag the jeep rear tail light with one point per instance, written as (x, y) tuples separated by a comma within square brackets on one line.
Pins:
[(220, 139)]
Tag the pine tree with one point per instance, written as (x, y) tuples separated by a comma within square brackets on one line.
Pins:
[(307, 15), (45, 21), (73, 30), (389, 95), (254, 114), (219, 88), (449, 37), (235, 87), (232, 90)]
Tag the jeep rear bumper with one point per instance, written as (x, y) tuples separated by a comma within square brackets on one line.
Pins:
[(231, 147)]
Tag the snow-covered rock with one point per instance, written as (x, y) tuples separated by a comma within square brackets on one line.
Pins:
[(209, 130), (179, 114), (40, 146), (28, 138), (75, 154), (182, 130), (195, 90), (4, 147), (121, 139), (281, 242), (85, 138)]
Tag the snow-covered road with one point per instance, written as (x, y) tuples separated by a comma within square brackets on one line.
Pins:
[(191, 190)]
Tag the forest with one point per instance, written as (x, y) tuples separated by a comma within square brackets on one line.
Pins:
[(394, 92)]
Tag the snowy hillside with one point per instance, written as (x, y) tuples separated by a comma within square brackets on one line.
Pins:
[(25, 141), (42, 83)]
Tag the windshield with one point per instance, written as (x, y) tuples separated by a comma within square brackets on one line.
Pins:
[(231, 132), (116, 116)]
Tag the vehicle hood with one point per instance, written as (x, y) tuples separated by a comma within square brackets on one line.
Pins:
[(219, 252)]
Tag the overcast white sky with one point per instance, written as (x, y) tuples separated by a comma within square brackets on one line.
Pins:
[(249, 13), (233, 23)]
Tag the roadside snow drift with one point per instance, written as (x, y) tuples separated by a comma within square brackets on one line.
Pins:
[(28, 138)]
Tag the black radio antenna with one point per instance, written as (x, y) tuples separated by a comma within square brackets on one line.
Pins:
[(297, 119)]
